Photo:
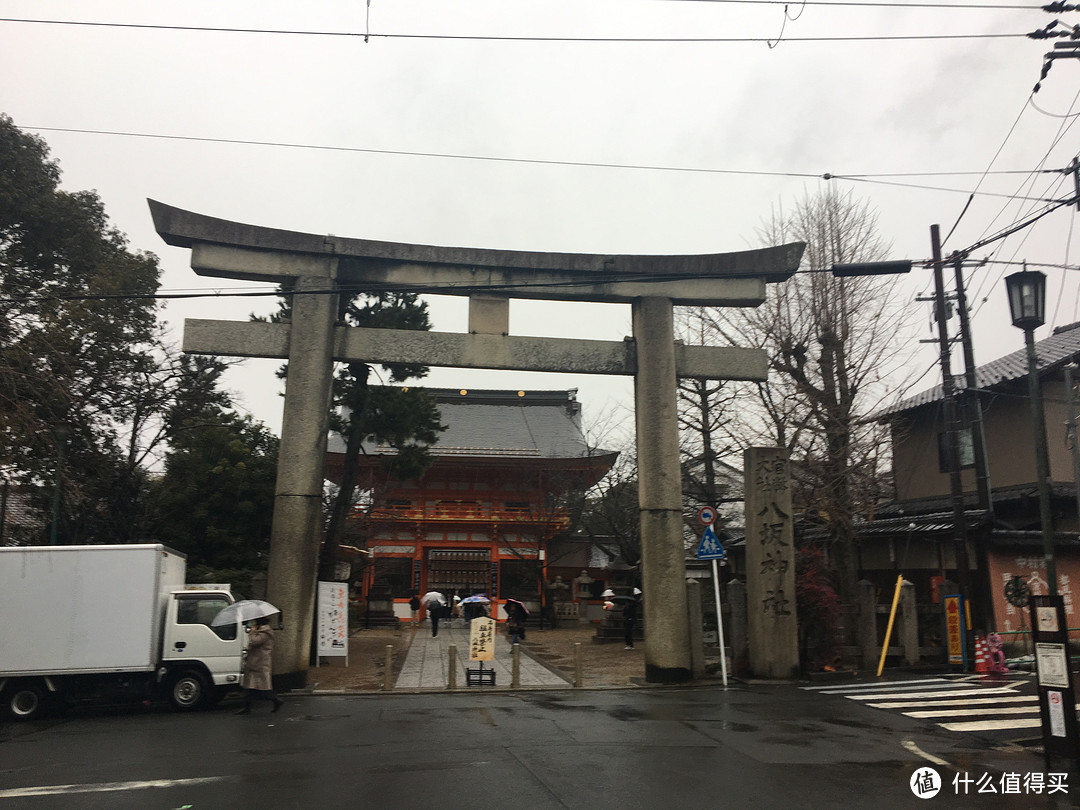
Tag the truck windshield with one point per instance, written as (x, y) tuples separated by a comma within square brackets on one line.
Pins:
[(202, 610)]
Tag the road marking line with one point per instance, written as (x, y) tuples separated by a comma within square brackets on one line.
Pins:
[(992, 725), (913, 704), (869, 685), (973, 712), (913, 748), (899, 690), (106, 787), (887, 695)]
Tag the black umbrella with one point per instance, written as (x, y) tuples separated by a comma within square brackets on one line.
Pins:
[(520, 604)]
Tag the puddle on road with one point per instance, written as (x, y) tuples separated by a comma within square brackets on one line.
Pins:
[(744, 727), (625, 713), (839, 721), (800, 741)]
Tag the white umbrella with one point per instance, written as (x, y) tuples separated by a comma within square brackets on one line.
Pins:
[(243, 611), (433, 596)]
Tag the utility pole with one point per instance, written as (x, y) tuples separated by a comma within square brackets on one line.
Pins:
[(952, 423), (1070, 399), (972, 406), (971, 398)]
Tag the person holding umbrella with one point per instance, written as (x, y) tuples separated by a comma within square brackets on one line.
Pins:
[(257, 683), (629, 612), (629, 617), (516, 613), (434, 602)]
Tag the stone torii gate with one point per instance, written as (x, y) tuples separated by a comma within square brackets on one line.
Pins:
[(321, 267)]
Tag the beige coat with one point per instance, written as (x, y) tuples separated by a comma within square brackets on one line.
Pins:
[(257, 664)]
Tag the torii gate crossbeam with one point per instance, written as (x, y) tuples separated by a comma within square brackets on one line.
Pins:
[(319, 268)]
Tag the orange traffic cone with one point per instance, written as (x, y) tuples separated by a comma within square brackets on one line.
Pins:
[(982, 655)]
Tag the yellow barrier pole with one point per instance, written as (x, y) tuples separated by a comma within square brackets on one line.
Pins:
[(888, 630)]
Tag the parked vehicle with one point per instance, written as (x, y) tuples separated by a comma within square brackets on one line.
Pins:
[(110, 623)]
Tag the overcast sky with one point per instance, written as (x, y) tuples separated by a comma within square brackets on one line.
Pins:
[(531, 126)]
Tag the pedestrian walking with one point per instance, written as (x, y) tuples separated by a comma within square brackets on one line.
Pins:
[(414, 606), (515, 620), (435, 603), (257, 682), (629, 622)]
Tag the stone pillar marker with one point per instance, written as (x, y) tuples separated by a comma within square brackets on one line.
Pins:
[(770, 564), (737, 621)]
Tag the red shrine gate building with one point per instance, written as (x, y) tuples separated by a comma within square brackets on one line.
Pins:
[(481, 518)]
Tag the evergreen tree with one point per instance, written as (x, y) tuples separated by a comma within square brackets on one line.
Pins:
[(215, 500), (404, 418), (77, 339)]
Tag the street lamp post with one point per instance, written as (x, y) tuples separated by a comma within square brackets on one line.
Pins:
[(1027, 305)]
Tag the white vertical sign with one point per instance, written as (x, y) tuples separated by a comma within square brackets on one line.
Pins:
[(482, 639), (1057, 713), (333, 619)]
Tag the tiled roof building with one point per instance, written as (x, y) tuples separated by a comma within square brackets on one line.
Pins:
[(481, 517), (915, 532)]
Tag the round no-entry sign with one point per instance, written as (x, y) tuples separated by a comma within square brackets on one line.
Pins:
[(707, 515)]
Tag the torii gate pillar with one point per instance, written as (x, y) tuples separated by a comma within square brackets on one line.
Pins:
[(301, 456), (663, 555), (317, 266)]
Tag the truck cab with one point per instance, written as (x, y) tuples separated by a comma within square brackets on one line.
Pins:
[(199, 662)]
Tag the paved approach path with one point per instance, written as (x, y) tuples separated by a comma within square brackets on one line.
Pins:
[(426, 665)]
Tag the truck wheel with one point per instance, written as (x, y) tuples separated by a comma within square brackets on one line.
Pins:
[(27, 701), (187, 690)]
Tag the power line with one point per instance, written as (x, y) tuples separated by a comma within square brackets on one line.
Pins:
[(1019, 226), (444, 289), (922, 187), (409, 153), (1048, 265), (857, 4), (987, 171), (506, 38), (864, 177)]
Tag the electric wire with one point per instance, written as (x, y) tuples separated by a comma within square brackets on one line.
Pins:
[(1068, 243), (1029, 182), (989, 166), (861, 177), (510, 38), (1031, 101), (871, 4)]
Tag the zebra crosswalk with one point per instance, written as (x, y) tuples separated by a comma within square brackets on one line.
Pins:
[(957, 704)]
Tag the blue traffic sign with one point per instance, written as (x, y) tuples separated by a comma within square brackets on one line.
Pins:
[(709, 548)]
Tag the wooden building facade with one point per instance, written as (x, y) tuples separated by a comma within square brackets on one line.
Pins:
[(505, 474)]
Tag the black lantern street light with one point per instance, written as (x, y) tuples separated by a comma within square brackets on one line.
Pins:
[(1027, 305)]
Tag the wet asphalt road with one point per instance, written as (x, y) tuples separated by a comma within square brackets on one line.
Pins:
[(771, 746)]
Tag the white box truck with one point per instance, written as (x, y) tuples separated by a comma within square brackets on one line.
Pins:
[(109, 623)]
